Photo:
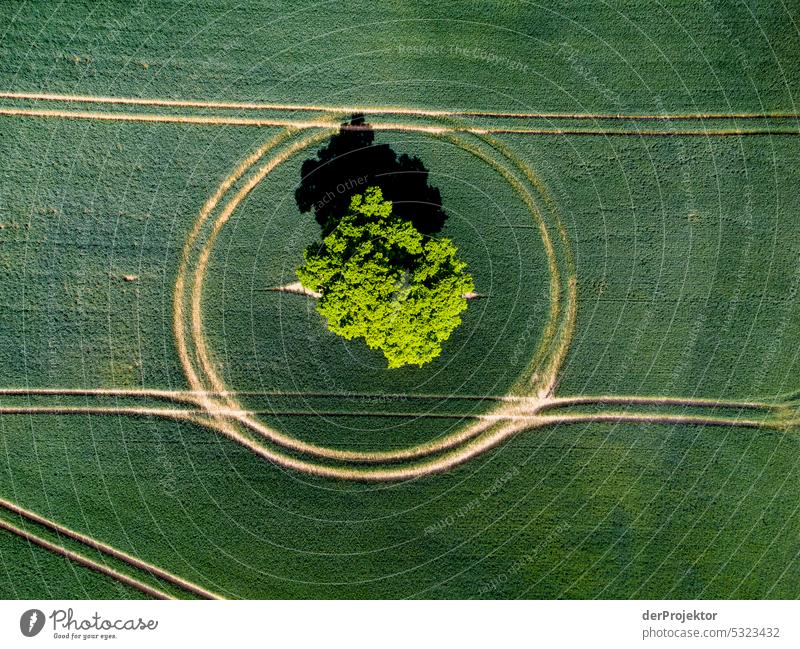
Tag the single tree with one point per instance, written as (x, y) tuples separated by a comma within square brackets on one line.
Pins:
[(380, 279)]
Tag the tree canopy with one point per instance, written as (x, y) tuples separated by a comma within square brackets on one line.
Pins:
[(379, 278)]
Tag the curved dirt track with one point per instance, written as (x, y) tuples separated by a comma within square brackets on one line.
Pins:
[(480, 445), (490, 429), (512, 424), (556, 340), (216, 385), (180, 282), (476, 437)]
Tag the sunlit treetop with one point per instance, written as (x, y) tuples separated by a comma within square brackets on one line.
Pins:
[(381, 280)]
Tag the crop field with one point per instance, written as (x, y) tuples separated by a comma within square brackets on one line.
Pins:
[(617, 416)]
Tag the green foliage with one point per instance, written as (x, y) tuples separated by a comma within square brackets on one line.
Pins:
[(381, 280), (703, 305)]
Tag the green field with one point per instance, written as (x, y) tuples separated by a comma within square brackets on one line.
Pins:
[(685, 249)]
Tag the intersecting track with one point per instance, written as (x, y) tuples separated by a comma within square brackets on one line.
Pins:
[(530, 404), (213, 404), (203, 378)]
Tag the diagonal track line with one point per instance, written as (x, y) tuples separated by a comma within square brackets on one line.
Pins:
[(101, 547), (85, 561)]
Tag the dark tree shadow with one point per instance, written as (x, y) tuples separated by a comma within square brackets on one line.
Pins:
[(350, 163)]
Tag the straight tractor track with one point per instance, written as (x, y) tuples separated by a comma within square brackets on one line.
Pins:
[(189, 396), (379, 110), (385, 126), (239, 415), (106, 549), (84, 561)]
